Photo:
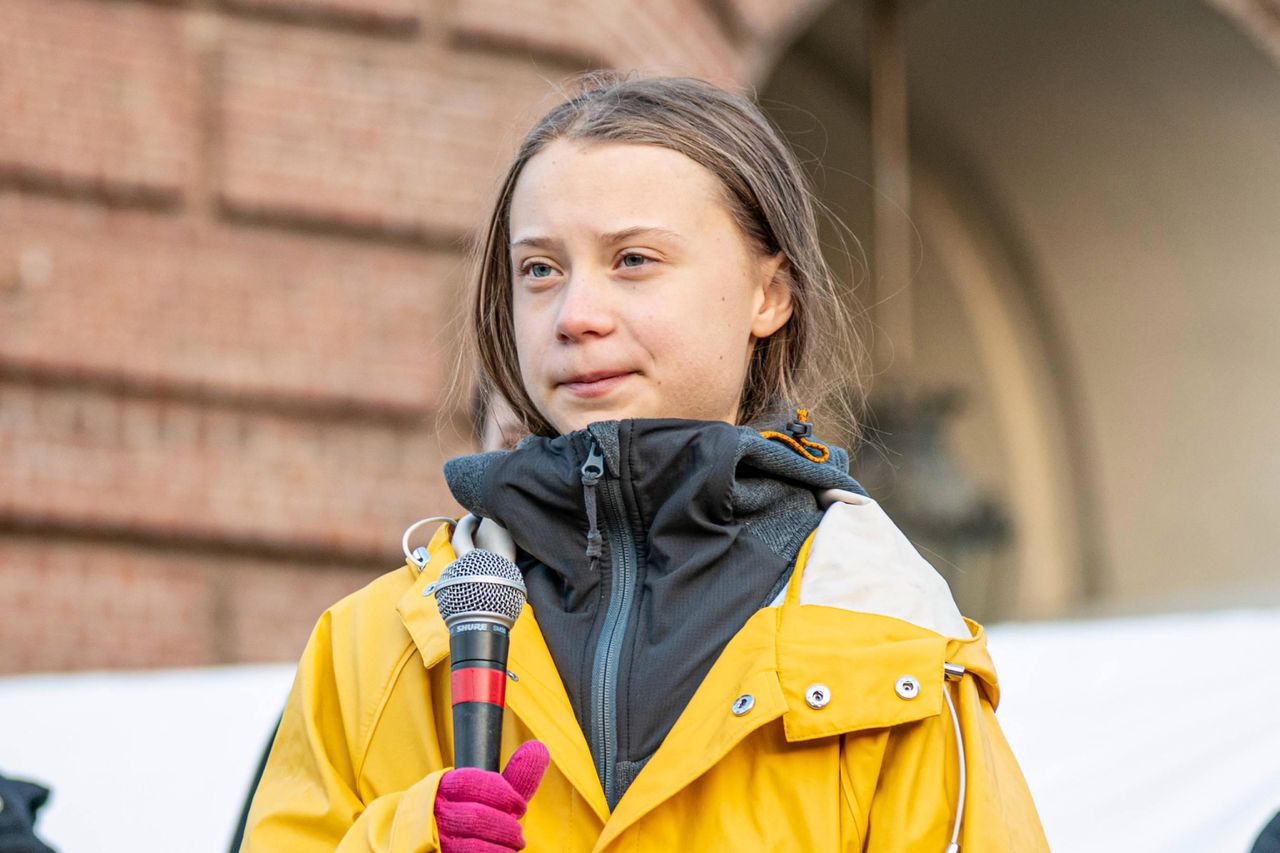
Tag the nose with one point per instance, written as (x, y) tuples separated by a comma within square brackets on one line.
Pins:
[(586, 309)]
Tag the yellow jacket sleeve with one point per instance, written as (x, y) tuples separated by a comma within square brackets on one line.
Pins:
[(307, 799), (910, 806)]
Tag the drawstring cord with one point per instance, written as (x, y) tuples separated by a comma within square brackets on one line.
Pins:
[(954, 672), (592, 471), (799, 440)]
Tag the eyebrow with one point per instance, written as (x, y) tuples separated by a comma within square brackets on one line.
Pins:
[(609, 237)]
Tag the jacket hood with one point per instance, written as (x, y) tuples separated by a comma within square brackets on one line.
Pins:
[(714, 473)]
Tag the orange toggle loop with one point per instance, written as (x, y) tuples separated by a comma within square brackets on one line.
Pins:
[(812, 450)]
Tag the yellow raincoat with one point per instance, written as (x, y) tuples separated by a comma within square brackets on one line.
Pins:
[(822, 726)]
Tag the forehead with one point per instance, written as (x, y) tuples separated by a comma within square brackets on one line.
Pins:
[(573, 184)]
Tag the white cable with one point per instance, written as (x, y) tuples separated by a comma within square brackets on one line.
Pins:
[(492, 536), (954, 846), (413, 556), (463, 540)]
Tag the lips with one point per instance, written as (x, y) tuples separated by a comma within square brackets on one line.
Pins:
[(596, 383)]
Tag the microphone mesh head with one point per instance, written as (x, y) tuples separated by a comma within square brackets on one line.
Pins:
[(481, 597)]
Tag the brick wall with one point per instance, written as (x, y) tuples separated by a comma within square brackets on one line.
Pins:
[(230, 255)]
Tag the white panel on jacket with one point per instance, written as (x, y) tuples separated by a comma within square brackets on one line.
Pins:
[(861, 561)]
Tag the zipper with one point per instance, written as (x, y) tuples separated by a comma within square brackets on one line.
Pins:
[(604, 672), (592, 470)]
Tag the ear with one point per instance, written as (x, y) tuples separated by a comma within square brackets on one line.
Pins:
[(773, 298)]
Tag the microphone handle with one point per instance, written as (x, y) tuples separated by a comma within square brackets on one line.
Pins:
[(478, 688)]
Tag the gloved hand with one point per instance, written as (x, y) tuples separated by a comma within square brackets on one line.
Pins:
[(478, 811)]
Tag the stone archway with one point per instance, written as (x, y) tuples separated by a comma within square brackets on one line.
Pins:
[(1066, 158)]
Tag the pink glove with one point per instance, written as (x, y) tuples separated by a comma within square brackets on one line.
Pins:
[(478, 811)]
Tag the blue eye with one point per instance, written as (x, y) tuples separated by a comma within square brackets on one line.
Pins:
[(539, 270), (626, 260)]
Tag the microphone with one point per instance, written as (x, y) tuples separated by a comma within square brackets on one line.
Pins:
[(479, 595)]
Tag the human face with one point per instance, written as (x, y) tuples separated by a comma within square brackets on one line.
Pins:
[(636, 294)]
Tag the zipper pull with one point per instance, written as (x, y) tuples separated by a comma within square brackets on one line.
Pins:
[(592, 471), (593, 468)]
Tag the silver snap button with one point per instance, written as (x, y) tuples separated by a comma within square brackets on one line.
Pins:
[(512, 676), (743, 704), (818, 695), (907, 687)]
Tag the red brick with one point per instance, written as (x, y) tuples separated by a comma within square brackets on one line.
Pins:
[(79, 605), (87, 459), (72, 606), (273, 608), (96, 94), (369, 136), (661, 37), (140, 294)]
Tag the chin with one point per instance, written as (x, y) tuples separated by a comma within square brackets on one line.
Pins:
[(578, 422), (574, 421)]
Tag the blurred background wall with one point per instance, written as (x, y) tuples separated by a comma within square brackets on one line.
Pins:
[(232, 242)]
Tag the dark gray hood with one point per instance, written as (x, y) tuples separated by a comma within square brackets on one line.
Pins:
[(723, 476)]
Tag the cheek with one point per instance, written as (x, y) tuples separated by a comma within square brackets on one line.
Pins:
[(527, 340), (695, 346), (526, 319), (662, 329), (709, 328)]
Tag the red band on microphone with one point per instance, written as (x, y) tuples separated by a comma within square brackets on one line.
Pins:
[(479, 684)]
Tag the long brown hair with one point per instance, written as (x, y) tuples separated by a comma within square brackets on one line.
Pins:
[(814, 354)]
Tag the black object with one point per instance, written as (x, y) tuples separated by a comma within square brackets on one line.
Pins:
[(480, 596), (238, 838), (1269, 839), (19, 802), (478, 672)]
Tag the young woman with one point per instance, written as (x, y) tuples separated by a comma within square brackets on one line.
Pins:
[(727, 644)]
